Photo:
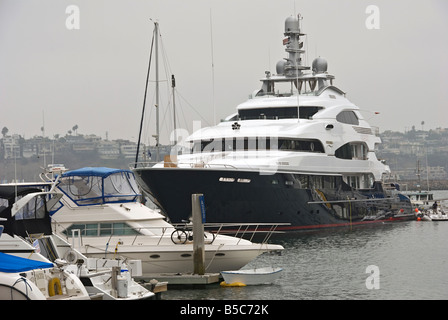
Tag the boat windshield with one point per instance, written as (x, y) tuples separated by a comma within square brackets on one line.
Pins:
[(92, 189), (275, 113)]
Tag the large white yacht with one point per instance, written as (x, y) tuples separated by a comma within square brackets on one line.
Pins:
[(297, 151)]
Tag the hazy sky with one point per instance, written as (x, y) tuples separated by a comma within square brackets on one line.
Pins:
[(94, 76)]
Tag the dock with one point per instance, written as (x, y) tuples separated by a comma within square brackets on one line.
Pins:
[(199, 276), (186, 278)]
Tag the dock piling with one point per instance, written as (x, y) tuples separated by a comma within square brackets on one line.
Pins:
[(198, 235)]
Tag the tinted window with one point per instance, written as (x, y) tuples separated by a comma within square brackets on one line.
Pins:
[(348, 117), (278, 113)]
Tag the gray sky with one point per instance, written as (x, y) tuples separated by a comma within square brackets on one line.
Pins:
[(94, 76)]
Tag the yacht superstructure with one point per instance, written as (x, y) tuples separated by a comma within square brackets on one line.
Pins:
[(298, 151)]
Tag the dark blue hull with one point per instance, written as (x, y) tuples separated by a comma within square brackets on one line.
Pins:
[(250, 197)]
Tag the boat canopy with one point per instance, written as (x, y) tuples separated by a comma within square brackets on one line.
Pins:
[(98, 185), (93, 171), (33, 217), (10, 192), (14, 264)]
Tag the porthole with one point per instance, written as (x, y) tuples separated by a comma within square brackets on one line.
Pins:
[(154, 256), (185, 255), (220, 254)]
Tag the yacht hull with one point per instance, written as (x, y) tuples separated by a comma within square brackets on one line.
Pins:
[(238, 196), (157, 260)]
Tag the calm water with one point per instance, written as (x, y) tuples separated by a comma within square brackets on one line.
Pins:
[(411, 257)]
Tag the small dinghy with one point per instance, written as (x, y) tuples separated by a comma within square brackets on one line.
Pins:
[(437, 214), (250, 276), (439, 217)]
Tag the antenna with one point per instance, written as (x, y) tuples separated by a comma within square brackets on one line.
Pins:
[(213, 68), (43, 137)]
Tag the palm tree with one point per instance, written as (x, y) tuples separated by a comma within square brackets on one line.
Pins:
[(75, 128), (4, 131)]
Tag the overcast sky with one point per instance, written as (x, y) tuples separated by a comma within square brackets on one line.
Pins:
[(94, 76)]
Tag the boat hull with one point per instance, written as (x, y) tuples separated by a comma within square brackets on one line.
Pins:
[(252, 276), (436, 217), (156, 260), (238, 196)]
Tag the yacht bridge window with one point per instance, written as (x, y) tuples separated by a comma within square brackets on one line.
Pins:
[(102, 229), (257, 143), (352, 151), (348, 117), (305, 112)]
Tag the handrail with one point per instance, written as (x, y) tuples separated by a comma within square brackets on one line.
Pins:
[(217, 228), (177, 164)]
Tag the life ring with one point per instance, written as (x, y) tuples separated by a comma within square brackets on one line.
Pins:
[(54, 287)]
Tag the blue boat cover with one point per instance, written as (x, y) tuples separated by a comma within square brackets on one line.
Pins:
[(13, 264), (93, 171)]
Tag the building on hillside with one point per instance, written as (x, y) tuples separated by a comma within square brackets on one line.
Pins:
[(108, 150), (11, 147)]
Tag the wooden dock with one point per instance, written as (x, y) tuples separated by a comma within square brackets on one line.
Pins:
[(186, 278)]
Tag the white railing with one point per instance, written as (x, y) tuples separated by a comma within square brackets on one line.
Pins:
[(237, 230)]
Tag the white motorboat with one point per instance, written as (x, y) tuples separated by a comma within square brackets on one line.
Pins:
[(26, 279), (437, 214), (104, 279), (26, 217), (24, 273), (254, 276), (101, 215), (298, 152)]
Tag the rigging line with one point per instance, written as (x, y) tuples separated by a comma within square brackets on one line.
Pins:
[(167, 110), (144, 103), (165, 58), (168, 72), (182, 113), (199, 114), (147, 124)]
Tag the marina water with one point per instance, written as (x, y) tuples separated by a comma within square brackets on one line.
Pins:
[(410, 259)]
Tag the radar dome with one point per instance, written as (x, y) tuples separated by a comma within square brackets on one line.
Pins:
[(292, 24), (320, 65), (280, 67)]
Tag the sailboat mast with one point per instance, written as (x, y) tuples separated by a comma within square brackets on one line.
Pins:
[(173, 85), (156, 31), (144, 104)]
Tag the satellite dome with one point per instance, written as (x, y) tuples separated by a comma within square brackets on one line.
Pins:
[(292, 24), (280, 67), (320, 65)]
